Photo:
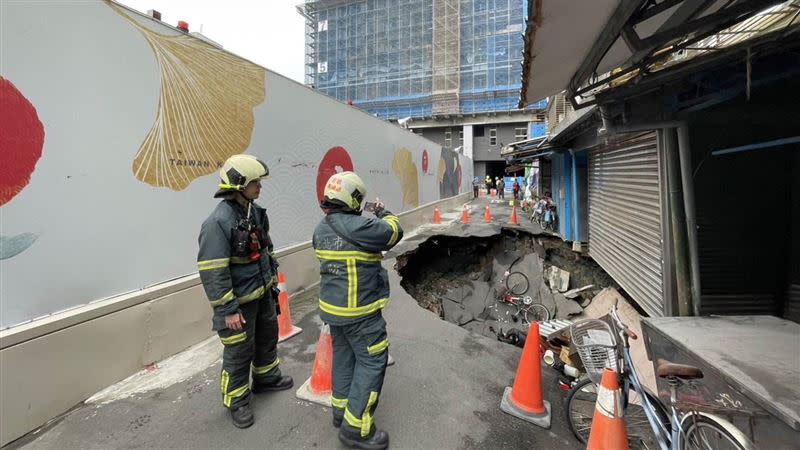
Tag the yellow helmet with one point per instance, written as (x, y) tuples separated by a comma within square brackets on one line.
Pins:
[(347, 188), (238, 171)]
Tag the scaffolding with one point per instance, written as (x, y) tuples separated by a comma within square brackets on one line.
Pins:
[(446, 53), (416, 58)]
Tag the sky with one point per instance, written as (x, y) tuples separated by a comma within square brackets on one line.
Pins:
[(268, 32)]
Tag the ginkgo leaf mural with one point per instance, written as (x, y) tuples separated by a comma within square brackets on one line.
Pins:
[(205, 110), (406, 172)]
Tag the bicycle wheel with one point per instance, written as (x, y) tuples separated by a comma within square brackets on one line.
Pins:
[(580, 411), (517, 283), (536, 312), (706, 431)]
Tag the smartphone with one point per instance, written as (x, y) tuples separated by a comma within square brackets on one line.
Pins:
[(369, 206)]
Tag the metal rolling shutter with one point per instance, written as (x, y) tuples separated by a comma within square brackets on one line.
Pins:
[(625, 217)]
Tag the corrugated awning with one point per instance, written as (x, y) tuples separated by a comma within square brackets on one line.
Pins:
[(582, 46)]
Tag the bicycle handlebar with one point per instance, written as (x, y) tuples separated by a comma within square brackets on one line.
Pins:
[(624, 329)]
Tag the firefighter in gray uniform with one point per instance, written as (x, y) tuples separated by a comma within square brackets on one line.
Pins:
[(354, 288), (239, 274)]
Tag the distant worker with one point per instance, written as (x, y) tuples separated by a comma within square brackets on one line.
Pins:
[(476, 185), (238, 272), (353, 290), (501, 188), (515, 188), (488, 185)]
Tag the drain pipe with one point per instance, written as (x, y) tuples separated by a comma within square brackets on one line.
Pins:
[(685, 154), (678, 222)]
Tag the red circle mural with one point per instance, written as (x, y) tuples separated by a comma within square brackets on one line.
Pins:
[(424, 161), (21, 140), (335, 160)]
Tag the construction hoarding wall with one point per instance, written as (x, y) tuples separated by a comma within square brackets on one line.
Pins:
[(114, 127)]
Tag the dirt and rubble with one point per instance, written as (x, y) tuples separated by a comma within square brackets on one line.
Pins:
[(456, 278)]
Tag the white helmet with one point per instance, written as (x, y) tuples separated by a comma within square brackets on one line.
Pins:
[(238, 171), (347, 188)]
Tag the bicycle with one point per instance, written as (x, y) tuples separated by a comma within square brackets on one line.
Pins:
[(527, 310), (516, 286), (650, 423)]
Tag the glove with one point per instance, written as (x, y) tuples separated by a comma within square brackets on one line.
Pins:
[(275, 293)]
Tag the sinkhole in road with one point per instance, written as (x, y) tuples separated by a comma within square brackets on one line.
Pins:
[(457, 278)]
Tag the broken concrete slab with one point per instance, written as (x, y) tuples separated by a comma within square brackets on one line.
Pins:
[(547, 299), (455, 313), (558, 279), (573, 293), (565, 308)]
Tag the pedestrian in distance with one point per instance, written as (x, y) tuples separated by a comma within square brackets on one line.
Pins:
[(239, 275), (354, 289), (476, 185), (515, 188), (501, 188)]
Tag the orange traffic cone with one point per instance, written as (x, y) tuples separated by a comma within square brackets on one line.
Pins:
[(494, 193), (513, 220), (487, 216), (285, 327), (437, 219), (608, 426), (524, 400), (318, 388), (465, 215)]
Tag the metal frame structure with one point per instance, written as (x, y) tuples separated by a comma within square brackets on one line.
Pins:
[(689, 22)]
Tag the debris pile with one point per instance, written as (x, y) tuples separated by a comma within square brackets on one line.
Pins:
[(475, 282)]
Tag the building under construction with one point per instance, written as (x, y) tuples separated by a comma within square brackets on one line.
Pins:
[(416, 58)]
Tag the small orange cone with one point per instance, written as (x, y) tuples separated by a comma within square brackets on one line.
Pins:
[(465, 215), (285, 327), (524, 400), (487, 216), (318, 388), (437, 219), (608, 426), (513, 220), (494, 192)]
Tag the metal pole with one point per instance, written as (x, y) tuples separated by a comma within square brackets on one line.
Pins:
[(685, 153), (677, 217)]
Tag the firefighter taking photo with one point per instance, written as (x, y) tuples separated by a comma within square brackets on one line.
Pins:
[(239, 274), (354, 288)]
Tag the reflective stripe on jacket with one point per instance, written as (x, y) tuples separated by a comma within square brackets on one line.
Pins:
[(353, 283), (231, 280)]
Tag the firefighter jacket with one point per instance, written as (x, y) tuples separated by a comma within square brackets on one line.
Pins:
[(229, 269), (353, 283)]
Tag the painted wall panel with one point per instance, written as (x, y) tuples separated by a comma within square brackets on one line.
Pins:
[(136, 118)]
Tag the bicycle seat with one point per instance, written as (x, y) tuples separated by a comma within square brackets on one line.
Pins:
[(666, 369)]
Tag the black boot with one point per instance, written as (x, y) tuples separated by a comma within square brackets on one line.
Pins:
[(337, 421), (242, 416), (351, 437), (281, 384)]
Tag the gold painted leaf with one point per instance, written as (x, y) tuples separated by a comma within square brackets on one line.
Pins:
[(205, 111), (406, 171)]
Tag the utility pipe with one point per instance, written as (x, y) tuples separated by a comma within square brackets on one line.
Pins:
[(678, 222), (685, 154)]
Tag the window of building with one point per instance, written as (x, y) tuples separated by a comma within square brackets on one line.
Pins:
[(448, 138), (520, 134), (492, 136), (461, 137), (477, 131)]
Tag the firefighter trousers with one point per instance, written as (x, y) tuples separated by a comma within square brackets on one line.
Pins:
[(360, 354), (254, 348)]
